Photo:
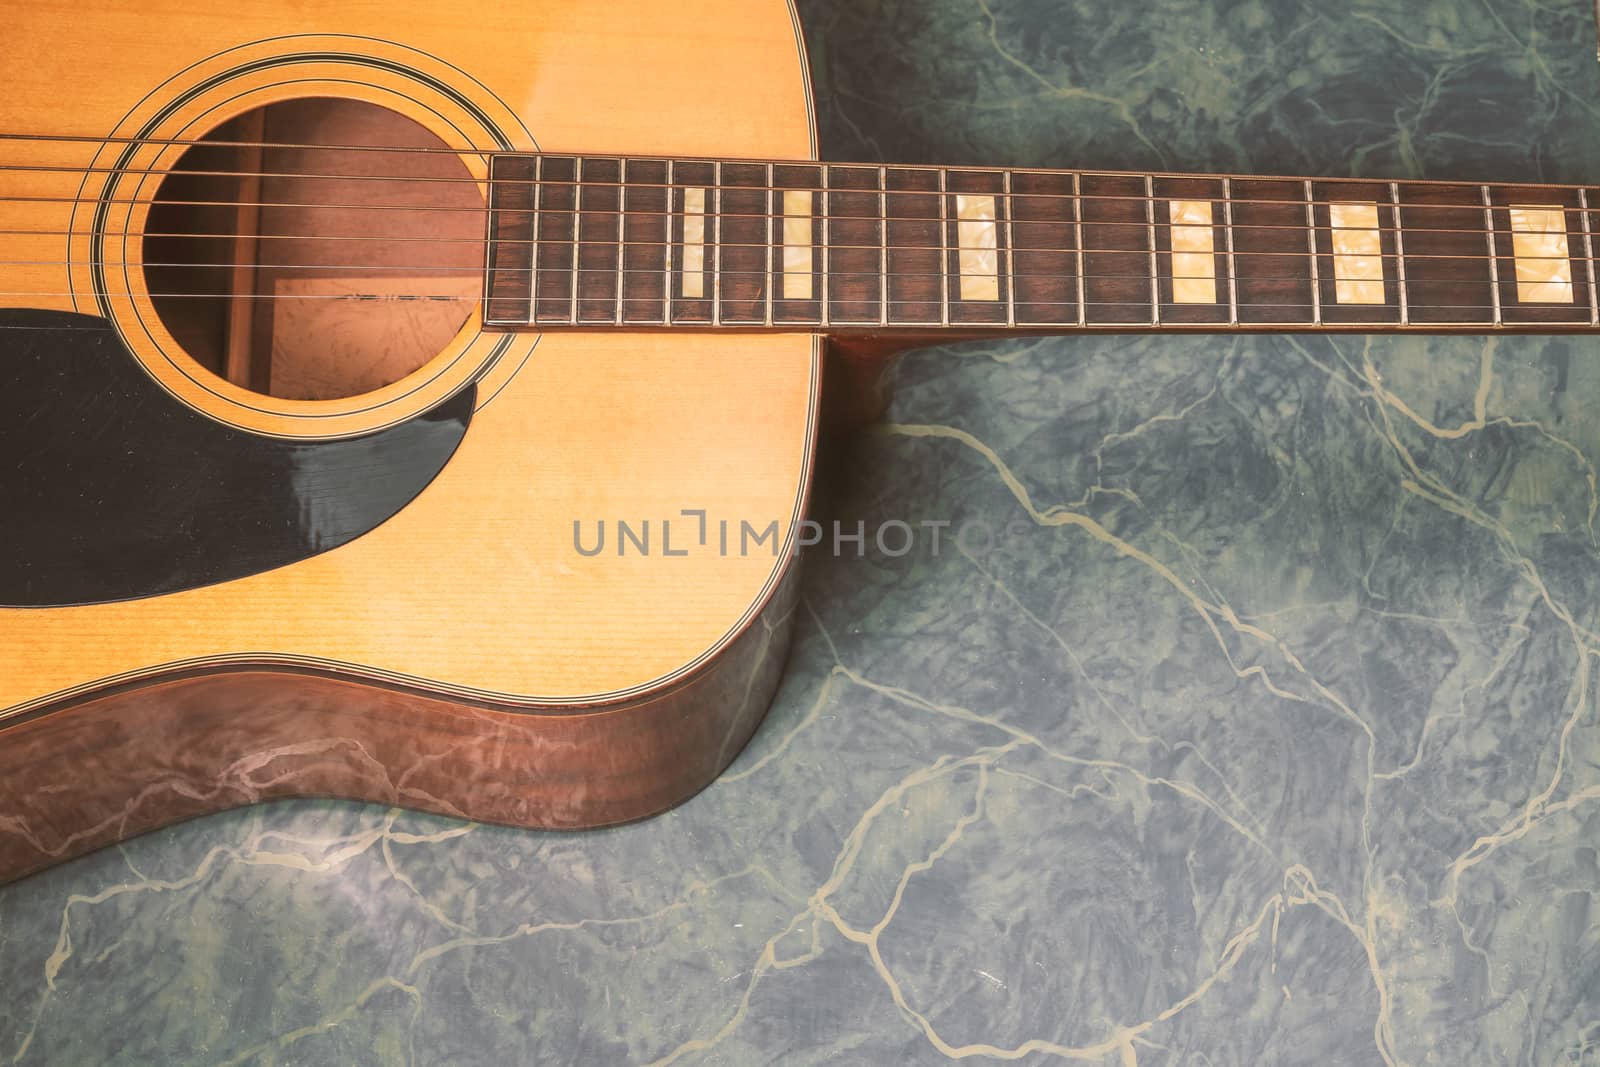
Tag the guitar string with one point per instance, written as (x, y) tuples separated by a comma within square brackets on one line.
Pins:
[(655, 291), (676, 211), (566, 242), (609, 216), (563, 245), (1575, 284), (655, 299), (1473, 190), (70, 138), (871, 168), (1476, 234), (566, 269), (565, 266)]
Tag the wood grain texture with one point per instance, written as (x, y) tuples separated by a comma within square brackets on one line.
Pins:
[(477, 585), (558, 75), (474, 591), (83, 774)]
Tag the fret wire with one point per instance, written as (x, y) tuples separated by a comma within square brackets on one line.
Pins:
[(716, 244), (1588, 254), (883, 242), (1494, 266), (1311, 238), (666, 296), (1011, 261), (1150, 221), (1227, 222), (771, 282), (827, 237), (1399, 254), (944, 255), (577, 233), (1077, 223), (490, 232), (622, 242), (533, 270)]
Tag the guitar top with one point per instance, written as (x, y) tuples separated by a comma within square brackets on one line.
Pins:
[(285, 515)]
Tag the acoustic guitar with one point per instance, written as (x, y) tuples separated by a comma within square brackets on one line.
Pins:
[(417, 402)]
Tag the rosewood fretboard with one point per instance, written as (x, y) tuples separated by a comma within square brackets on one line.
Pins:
[(600, 241)]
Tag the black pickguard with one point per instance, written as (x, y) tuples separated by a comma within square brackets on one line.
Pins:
[(111, 489)]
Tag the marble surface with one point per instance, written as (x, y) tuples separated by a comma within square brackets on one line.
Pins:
[(1262, 731)]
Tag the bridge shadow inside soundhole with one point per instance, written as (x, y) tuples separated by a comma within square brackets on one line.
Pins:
[(315, 249)]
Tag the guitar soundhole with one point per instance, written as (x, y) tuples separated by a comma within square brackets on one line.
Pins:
[(320, 272)]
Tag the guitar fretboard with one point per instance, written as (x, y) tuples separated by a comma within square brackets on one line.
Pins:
[(601, 241)]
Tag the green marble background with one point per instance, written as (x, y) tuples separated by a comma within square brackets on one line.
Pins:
[(1264, 733)]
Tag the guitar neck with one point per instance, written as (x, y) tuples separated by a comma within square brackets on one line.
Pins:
[(599, 242)]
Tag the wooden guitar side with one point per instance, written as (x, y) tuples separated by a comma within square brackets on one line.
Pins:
[(463, 656)]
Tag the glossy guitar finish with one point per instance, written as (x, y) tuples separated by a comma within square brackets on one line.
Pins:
[(460, 655), (642, 355), (91, 519)]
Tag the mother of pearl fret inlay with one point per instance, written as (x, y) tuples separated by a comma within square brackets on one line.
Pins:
[(1357, 253), (978, 240), (797, 244), (694, 244), (1194, 264), (1539, 243)]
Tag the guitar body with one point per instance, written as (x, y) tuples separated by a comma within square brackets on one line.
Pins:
[(214, 594)]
